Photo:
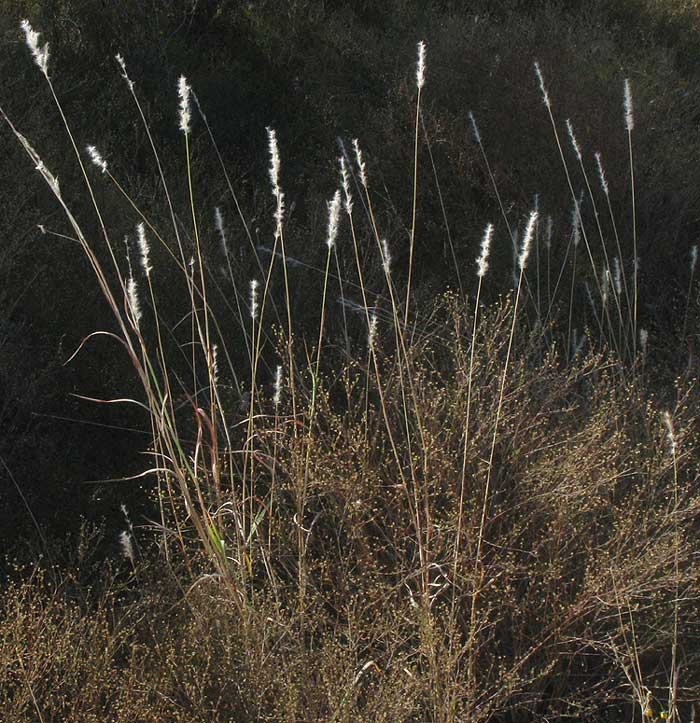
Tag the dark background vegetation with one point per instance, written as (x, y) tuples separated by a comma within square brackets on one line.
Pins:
[(315, 71)]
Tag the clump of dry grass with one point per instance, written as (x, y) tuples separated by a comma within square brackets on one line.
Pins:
[(439, 517)]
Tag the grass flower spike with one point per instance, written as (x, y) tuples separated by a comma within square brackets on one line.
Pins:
[(345, 176), (543, 88), (386, 257), (96, 158), (483, 261), (420, 66), (144, 250), (574, 142), (133, 299), (527, 240), (39, 53), (219, 224), (183, 92), (333, 216), (254, 307), (629, 108), (274, 172), (277, 396), (360, 162)]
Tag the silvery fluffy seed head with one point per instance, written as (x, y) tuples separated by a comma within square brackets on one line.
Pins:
[(372, 331), (143, 249), (543, 88), (333, 217), (126, 546), (219, 224), (39, 53), (601, 174), (527, 240), (345, 176), (274, 171), (119, 58), (274, 158), (693, 258), (133, 298), (420, 65), (254, 299), (183, 92), (475, 128), (386, 257), (278, 386), (618, 275), (574, 142), (670, 434), (550, 227), (360, 162), (96, 158), (576, 223), (483, 261), (629, 108)]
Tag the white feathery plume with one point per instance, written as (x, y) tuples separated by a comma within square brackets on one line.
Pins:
[(278, 386), (483, 261), (274, 158), (550, 227), (543, 88), (576, 220), (120, 59), (527, 240), (126, 545), (143, 249), (629, 108), (693, 258), (601, 173), (254, 308), (96, 158), (372, 331), (219, 224), (346, 185), (39, 53), (475, 128), (420, 66), (574, 142), (333, 218), (386, 257), (133, 298), (360, 162), (183, 92), (670, 434), (274, 172), (618, 276)]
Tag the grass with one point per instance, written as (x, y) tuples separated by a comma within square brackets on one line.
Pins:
[(431, 510)]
